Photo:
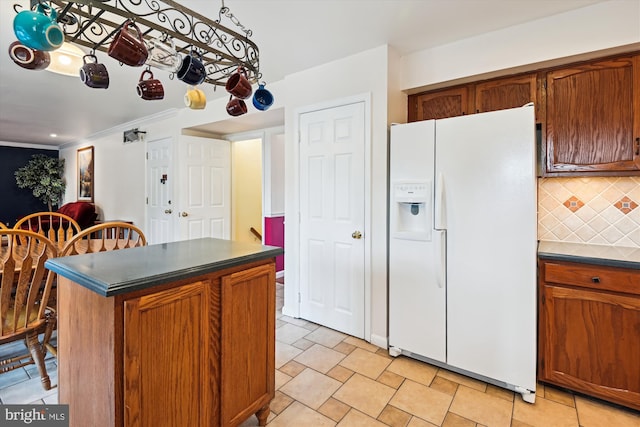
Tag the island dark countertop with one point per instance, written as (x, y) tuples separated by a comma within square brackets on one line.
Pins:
[(611, 256), (115, 272)]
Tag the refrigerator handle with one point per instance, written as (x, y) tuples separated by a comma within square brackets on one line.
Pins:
[(441, 259), (440, 212)]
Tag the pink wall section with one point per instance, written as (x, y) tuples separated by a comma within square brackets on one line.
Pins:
[(274, 236)]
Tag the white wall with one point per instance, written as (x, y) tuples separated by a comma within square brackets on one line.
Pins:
[(601, 26)]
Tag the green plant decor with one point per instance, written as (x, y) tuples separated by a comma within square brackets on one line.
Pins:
[(43, 176)]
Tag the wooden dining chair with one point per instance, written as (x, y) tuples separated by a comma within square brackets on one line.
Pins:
[(57, 227), (2, 226), (25, 285), (108, 236)]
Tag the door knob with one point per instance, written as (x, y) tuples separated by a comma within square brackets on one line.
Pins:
[(167, 211), (184, 214), (356, 235)]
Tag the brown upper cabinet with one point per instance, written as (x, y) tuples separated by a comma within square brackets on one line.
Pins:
[(593, 117), (588, 114), (440, 104)]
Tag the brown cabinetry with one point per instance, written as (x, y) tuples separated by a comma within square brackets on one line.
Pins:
[(440, 104), (589, 331), (505, 93), (593, 117), (194, 352)]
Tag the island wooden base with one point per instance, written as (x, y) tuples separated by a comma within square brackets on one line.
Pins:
[(196, 352)]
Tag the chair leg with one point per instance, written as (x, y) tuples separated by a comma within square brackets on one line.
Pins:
[(38, 357), (48, 331)]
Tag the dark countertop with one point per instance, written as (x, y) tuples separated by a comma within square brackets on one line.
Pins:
[(116, 272), (612, 256)]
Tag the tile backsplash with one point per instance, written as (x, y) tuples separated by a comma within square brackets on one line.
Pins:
[(599, 210)]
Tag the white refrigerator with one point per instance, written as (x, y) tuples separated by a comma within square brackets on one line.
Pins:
[(462, 245)]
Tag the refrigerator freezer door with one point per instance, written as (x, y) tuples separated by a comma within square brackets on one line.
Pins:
[(488, 164)]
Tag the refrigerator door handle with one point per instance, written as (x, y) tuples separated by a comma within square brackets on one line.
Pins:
[(441, 260), (440, 212)]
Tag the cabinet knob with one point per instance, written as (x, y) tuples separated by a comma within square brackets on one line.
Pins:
[(595, 279)]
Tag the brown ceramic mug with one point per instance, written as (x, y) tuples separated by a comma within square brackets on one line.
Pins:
[(128, 45), (236, 106), (28, 58), (150, 88), (93, 74), (238, 85)]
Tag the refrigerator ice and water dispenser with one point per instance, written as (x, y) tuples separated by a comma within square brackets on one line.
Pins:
[(411, 213)]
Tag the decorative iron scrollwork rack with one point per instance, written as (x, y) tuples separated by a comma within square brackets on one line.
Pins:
[(93, 24)]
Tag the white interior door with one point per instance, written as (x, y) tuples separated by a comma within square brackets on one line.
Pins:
[(332, 212), (205, 188), (161, 212)]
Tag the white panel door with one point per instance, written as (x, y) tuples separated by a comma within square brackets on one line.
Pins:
[(332, 143), (205, 188), (161, 213)]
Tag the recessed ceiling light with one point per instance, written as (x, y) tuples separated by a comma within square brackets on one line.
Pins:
[(53, 135)]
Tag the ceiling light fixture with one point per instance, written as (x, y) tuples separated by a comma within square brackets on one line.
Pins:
[(66, 60)]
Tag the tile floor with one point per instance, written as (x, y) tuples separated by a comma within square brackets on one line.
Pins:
[(326, 378)]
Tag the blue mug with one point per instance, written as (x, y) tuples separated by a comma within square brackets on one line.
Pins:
[(37, 30), (262, 98)]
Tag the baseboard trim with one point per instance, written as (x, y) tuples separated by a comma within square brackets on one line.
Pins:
[(379, 341)]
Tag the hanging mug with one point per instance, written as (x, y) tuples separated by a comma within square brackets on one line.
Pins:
[(31, 59), (236, 106), (195, 99), (149, 89), (192, 70), (238, 85), (37, 30), (163, 55), (262, 98), (129, 48), (93, 74)]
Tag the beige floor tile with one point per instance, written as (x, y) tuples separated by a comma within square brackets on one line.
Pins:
[(412, 397), (356, 418), (481, 407), (292, 368), (415, 370), (559, 396), (344, 347), (327, 337), (390, 379), (303, 344), (290, 333), (366, 363), (362, 344), (311, 388), (394, 417), (299, 415), (592, 413), (454, 420), (444, 385), (463, 379), (280, 402), (545, 413), (340, 373), (500, 392), (365, 394), (281, 379), (284, 353), (320, 358), (334, 409), (418, 422), (384, 353), (517, 423), (294, 321)]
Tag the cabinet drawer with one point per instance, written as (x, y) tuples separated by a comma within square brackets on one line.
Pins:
[(595, 277)]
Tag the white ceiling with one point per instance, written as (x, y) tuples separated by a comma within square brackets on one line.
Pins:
[(292, 35)]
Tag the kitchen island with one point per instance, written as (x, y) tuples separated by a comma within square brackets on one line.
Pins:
[(176, 334)]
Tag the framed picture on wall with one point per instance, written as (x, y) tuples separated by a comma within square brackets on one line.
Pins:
[(85, 174)]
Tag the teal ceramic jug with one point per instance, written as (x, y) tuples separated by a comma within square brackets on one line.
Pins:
[(37, 30)]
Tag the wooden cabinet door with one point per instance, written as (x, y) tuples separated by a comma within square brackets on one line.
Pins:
[(248, 344), (506, 93), (167, 377), (593, 117), (589, 342), (439, 104)]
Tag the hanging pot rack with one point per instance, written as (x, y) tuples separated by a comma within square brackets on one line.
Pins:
[(93, 24)]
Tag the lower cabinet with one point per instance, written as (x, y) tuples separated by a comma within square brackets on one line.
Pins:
[(197, 352), (589, 331)]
